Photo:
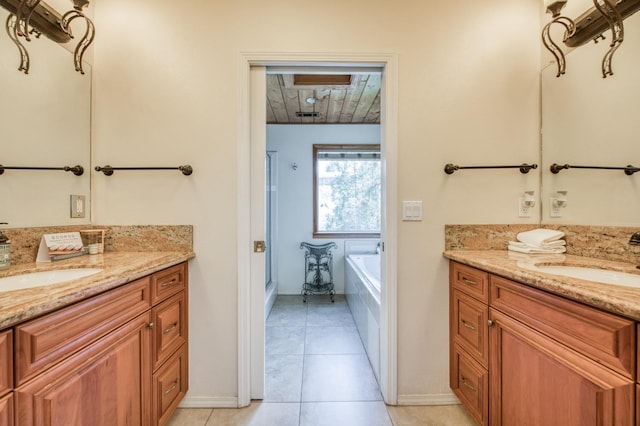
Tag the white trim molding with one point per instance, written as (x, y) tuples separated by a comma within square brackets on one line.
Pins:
[(429, 399), (209, 402), (388, 334)]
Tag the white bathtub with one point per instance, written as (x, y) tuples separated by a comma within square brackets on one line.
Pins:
[(362, 288)]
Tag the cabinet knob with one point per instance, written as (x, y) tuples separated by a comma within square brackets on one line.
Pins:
[(490, 323), (151, 325)]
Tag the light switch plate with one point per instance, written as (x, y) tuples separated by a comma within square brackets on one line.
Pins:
[(77, 206), (412, 210)]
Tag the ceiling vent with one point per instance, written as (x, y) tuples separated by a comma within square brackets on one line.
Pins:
[(322, 79), (307, 114)]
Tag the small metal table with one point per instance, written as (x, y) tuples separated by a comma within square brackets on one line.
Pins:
[(318, 270)]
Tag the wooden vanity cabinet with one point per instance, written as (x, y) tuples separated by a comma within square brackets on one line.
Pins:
[(6, 378), (537, 380), (6, 362), (170, 366), (97, 362), (551, 361), (469, 343), (6, 410), (107, 383)]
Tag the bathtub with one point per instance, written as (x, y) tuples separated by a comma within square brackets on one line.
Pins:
[(362, 289)]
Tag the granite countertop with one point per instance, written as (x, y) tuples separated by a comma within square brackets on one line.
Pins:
[(117, 268), (617, 299)]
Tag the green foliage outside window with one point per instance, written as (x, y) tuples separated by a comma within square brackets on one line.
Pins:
[(348, 191)]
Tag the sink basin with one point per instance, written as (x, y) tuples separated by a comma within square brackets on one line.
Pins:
[(38, 279), (592, 274)]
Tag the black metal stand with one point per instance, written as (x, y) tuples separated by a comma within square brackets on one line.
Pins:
[(318, 270)]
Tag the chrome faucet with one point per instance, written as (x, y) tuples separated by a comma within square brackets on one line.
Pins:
[(635, 241)]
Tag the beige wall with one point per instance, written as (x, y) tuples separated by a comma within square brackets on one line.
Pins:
[(167, 93)]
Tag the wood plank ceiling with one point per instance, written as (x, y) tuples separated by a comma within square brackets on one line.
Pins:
[(323, 99)]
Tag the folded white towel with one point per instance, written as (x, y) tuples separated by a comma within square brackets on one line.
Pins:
[(552, 244), (540, 236), (533, 250)]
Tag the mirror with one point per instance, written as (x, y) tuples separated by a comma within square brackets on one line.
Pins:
[(45, 119), (591, 121)]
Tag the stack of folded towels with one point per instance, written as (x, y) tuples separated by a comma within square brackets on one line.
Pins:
[(539, 241)]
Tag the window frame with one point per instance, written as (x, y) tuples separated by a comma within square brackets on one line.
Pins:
[(337, 147)]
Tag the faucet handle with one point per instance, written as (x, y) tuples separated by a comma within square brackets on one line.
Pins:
[(635, 239)]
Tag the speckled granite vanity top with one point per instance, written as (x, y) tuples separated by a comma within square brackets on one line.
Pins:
[(117, 268), (613, 298)]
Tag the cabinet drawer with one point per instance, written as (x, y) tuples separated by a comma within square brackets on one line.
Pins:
[(469, 325), (170, 384), (469, 280), (170, 327), (6, 362), (606, 338), (6, 410), (470, 382), (49, 339), (168, 282)]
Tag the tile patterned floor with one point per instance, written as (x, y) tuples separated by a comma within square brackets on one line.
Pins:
[(317, 373)]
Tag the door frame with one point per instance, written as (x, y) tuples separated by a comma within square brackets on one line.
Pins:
[(251, 140)]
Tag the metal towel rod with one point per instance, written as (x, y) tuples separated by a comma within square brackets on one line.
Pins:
[(628, 170), (108, 170), (77, 170), (524, 168)]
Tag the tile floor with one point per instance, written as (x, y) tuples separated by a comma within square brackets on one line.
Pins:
[(317, 373)]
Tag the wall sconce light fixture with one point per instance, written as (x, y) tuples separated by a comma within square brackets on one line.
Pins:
[(35, 17), (604, 15)]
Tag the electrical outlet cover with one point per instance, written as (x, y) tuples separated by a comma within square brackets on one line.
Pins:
[(77, 206), (523, 210)]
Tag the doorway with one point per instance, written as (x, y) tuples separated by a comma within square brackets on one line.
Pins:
[(251, 226)]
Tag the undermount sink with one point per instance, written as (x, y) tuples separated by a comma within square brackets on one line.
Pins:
[(39, 279), (591, 274)]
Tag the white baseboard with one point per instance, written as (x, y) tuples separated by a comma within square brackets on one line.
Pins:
[(428, 399), (209, 402), (232, 401)]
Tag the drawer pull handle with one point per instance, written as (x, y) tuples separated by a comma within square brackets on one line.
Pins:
[(172, 388), (170, 329), (466, 324), (467, 384), (168, 283), (468, 281)]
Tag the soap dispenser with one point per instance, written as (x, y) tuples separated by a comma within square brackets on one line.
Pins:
[(5, 250)]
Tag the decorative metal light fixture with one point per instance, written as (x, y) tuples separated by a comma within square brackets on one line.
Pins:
[(35, 17), (554, 8), (605, 15)]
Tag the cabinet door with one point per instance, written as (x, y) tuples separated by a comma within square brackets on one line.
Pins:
[(6, 410), (6, 362), (536, 381), (105, 384)]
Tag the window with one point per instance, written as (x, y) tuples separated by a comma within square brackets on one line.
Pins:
[(346, 191)]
